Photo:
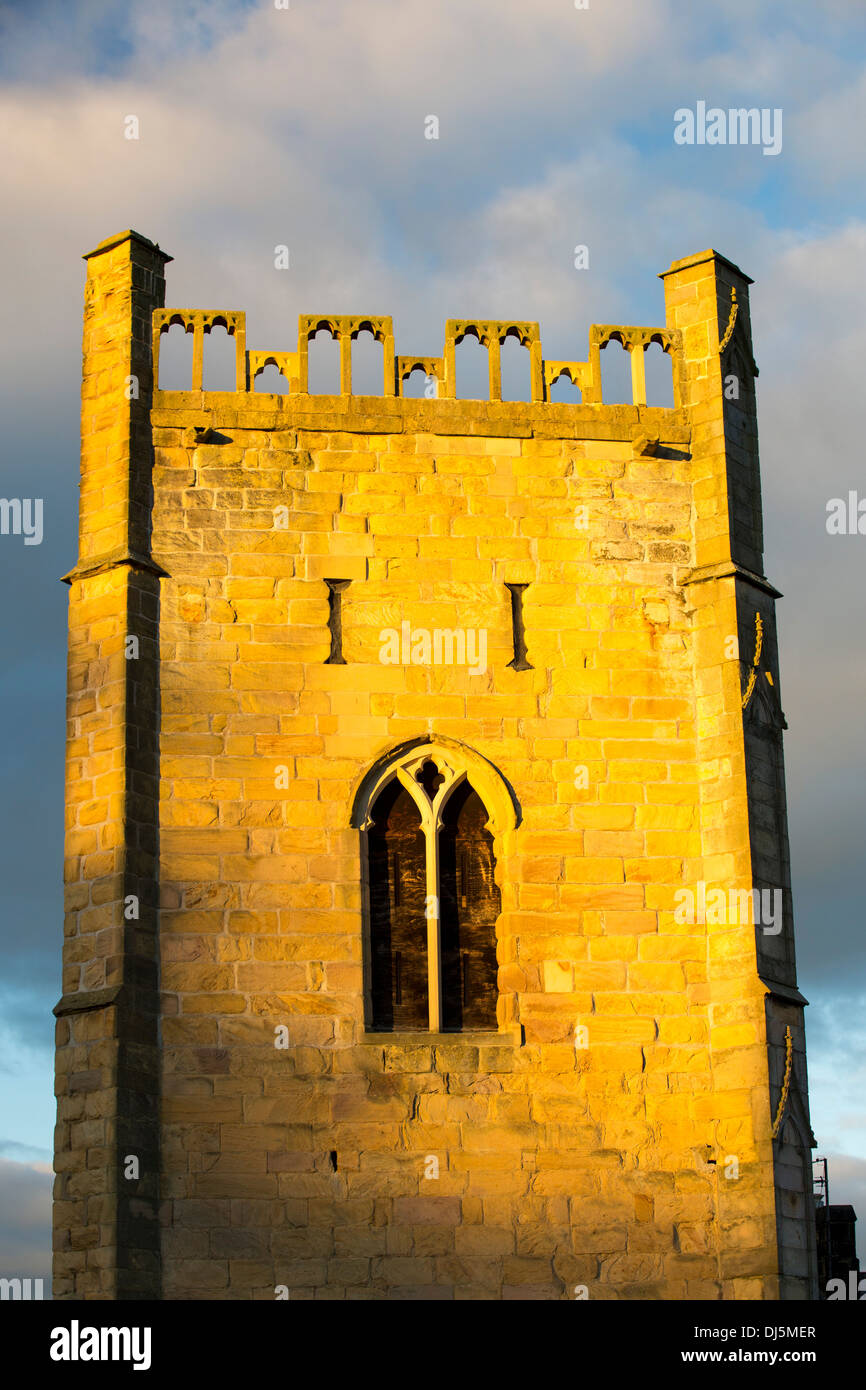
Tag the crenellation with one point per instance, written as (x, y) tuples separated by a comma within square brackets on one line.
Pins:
[(294, 368)]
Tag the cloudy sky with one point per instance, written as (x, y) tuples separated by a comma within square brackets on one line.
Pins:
[(305, 127)]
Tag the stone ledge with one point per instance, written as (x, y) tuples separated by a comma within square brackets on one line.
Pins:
[(729, 569), (121, 555), (788, 993), (232, 410), (82, 1001)]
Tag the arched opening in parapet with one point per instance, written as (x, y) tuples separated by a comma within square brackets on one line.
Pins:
[(175, 359), (615, 374), (368, 361), (658, 366), (271, 381), (323, 364), (565, 392), (471, 370), (419, 386), (516, 369), (218, 360)]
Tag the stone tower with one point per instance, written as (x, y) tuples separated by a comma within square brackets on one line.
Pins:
[(428, 925)]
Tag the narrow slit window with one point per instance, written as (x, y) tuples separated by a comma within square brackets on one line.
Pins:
[(518, 631), (336, 589)]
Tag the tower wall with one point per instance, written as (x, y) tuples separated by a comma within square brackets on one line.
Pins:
[(586, 1142)]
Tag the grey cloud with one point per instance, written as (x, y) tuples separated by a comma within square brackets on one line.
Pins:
[(25, 1221)]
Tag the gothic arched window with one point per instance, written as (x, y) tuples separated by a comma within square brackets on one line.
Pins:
[(432, 898), (398, 891), (469, 902)]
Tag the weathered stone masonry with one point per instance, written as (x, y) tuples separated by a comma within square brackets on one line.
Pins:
[(218, 789)]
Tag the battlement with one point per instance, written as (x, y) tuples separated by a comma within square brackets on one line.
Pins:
[(490, 333)]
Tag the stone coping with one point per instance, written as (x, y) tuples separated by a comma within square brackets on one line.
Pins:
[(399, 415)]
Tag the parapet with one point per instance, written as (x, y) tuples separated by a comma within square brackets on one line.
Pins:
[(491, 333)]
